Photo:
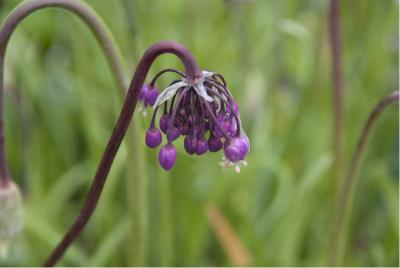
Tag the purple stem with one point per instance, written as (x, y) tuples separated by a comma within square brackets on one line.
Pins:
[(192, 74), (337, 80)]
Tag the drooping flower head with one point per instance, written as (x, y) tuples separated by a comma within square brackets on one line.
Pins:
[(204, 113)]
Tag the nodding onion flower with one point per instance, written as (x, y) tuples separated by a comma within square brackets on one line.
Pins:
[(204, 113), (200, 108)]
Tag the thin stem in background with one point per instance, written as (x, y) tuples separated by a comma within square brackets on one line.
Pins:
[(137, 188), (137, 196), (337, 87), (94, 22), (347, 190)]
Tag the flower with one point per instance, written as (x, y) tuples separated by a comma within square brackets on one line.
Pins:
[(153, 137), (205, 113), (167, 156), (148, 95)]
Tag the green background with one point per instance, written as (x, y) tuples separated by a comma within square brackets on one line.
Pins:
[(62, 103)]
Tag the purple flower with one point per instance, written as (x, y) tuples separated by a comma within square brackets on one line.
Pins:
[(202, 146), (164, 123), (214, 144), (196, 110), (148, 95), (167, 156), (236, 149), (153, 137), (172, 134), (190, 144)]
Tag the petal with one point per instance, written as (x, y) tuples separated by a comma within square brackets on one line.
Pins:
[(169, 92), (201, 91), (207, 74)]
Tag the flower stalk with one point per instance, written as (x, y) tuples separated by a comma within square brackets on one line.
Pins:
[(192, 73), (347, 190), (337, 88)]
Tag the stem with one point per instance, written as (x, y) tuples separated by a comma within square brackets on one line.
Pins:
[(89, 16), (337, 87), (192, 73), (153, 81), (347, 191)]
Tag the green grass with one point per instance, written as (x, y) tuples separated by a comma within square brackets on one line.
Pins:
[(62, 103)]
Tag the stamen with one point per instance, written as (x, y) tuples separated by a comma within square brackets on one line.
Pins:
[(237, 169)]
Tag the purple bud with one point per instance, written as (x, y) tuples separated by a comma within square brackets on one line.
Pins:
[(214, 144), (173, 133), (190, 144), (167, 156), (235, 106), (232, 126), (164, 123), (148, 94), (184, 129), (152, 95), (153, 137), (236, 149), (224, 123), (201, 147), (141, 93)]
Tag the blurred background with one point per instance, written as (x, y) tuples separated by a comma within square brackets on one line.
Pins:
[(62, 102)]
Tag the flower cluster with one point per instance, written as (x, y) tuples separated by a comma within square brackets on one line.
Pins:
[(204, 113)]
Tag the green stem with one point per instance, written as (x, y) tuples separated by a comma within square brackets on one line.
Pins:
[(138, 202), (347, 190), (166, 236)]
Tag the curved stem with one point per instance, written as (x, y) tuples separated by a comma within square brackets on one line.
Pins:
[(337, 87), (347, 190), (192, 74), (89, 16)]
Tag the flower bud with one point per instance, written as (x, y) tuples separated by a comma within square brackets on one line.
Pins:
[(153, 137), (236, 149), (148, 95), (173, 133), (10, 214), (190, 144), (167, 156), (164, 123), (214, 144), (201, 147)]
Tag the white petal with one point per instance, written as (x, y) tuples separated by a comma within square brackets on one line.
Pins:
[(201, 91), (168, 93), (207, 74)]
